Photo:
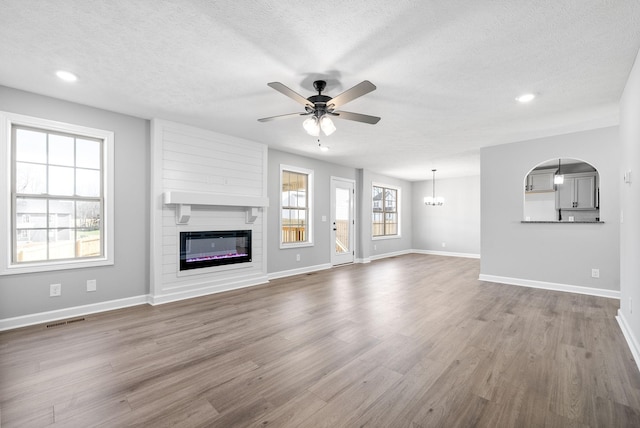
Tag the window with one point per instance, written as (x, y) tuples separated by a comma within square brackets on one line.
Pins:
[(385, 215), (296, 186), (59, 195)]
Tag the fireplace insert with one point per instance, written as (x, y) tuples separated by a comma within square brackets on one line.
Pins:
[(214, 248)]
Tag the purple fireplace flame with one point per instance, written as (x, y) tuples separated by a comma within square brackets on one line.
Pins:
[(214, 248)]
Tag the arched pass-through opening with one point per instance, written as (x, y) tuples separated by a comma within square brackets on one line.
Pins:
[(562, 190)]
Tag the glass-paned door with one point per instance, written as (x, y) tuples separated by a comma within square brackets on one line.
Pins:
[(342, 221)]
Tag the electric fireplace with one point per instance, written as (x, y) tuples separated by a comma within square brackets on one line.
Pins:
[(214, 248)]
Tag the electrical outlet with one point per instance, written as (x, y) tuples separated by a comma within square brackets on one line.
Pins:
[(444, 244), (375, 247), (91, 285), (55, 290), (595, 273), (297, 257)]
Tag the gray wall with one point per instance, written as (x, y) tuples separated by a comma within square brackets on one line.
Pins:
[(283, 260), (630, 204), (556, 253), (280, 260), (456, 223), (128, 277)]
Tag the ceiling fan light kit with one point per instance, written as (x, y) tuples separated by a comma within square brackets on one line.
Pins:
[(311, 126), (327, 126), (321, 107)]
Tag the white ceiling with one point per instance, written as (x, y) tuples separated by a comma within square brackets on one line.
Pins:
[(447, 71)]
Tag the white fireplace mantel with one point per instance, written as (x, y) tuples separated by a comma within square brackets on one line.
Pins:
[(183, 201)]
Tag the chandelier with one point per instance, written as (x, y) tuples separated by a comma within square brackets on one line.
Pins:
[(433, 200)]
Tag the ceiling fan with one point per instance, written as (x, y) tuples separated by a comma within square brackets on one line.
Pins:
[(320, 108)]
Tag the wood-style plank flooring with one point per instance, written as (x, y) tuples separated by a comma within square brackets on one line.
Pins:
[(411, 341)]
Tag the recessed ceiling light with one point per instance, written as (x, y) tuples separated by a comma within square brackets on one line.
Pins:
[(66, 76), (525, 98)]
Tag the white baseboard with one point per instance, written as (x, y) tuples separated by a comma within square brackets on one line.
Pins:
[(629, 337), (391, 254), (174, 296), (299, 271), (403, 252), (611, 294), (76, 311), (447, 253)]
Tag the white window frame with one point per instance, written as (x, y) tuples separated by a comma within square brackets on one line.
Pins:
[(398, 212), (7, 266), (309, 241)]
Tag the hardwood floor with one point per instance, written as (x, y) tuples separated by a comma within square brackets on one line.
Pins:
[(411, 341)]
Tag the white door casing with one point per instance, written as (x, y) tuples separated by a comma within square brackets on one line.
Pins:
[(342, 221)]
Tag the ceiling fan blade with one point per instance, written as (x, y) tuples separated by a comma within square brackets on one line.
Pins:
[(359, 90), (282, 116), (290, 93), (365, 118)]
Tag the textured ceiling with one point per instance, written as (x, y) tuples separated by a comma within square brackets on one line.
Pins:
[(447, 71)]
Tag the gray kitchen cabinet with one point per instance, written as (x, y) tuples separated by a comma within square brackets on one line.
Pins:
[(540, 181), (578, 192)]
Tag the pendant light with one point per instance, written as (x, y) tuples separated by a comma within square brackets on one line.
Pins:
[(433, 200), (558, 178)]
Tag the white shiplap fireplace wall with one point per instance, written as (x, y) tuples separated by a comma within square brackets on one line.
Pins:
[(221, 184)]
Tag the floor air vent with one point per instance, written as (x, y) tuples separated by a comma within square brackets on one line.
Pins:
[(61, 323)]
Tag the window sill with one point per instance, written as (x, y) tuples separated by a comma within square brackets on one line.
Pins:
[(296, 245), (53, 266), (381, 238)]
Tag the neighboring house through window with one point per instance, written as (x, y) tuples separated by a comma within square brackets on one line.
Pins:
[(61, 195), (385, 215)]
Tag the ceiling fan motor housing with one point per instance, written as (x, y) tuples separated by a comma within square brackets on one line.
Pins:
[(319, 101)]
